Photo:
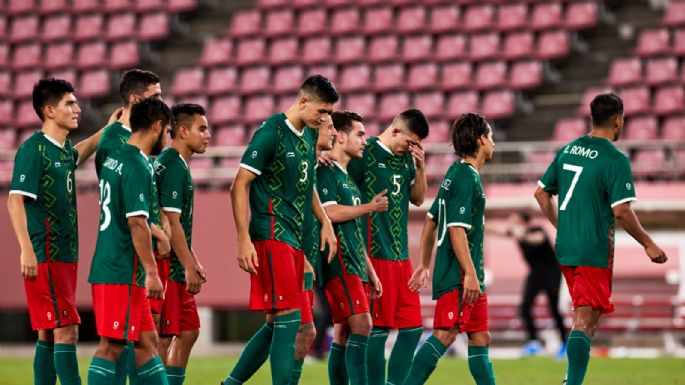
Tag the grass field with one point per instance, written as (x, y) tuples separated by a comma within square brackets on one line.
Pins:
[(534, 371)]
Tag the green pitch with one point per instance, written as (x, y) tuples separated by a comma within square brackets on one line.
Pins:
[(535, 371)]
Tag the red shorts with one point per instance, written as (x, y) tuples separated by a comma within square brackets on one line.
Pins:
[(589, 286), (399, 307), (179, 313), (347, 295), (163, 272), (307, 309), (51, 297), (278, 283), (122, 312), (450, 311)]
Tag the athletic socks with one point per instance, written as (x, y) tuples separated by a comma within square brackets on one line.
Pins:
[(297, 372), (480, 365), (175, 375), (66, 364), (425, 361), (283, 347), (355, 359), (131, 366), (254, 355), (44, 364), (578, 351), (152, 372), (337, 371), (375, 356), (122, 365), (402, 354), (101, 371)]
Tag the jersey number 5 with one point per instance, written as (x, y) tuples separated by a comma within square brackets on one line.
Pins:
[(105, 198), (577, 170)]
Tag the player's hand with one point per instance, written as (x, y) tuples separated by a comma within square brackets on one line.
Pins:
[(163, 247), (308, 268), (376, 286), (194, 280), (29, 264), (419, 279), (326, 158), (328, 239), (379, 203), (418, 154), (115, 115), (166, 226), (153, 286), (247, 256), (655, 253), (471, 288)]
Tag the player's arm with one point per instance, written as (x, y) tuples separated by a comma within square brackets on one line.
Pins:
[(418, 189), (142, 242), (87, 147), (460, 246), (625, 215), (546, 204), (28, 260), (419, 279), (341, 213), (374, 282), (191, 265), (327, 232), (240, 192)]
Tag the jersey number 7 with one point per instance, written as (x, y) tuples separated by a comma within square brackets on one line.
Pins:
[(577, 170)]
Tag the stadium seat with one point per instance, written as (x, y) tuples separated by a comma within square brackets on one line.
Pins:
[(491, 75), (339, 3), (288, 79), (279, 23), (519, 45), (4, 55), (91, 55), (498, 104), (635, 100), (111, 6), (178, 6), (450, 47), (525, 75), (17, 7), (56, 28), (284, 50), (5, 83), (678, 47), (662, 70), (625, 71), (194, 99), (546, 15), (121, 26), (3, 27), (316, 50), (312, 22), (478, 18), (84, 6), (417, 48), (68, 74), (258, 108), (641, 128), (225, 109), (6, 119), (378, 20), (346, 21), (439, 131), (350, 49), (649, 163), (61, 55), (581, 15), (484, 46), (26, 116), (512, 16), (124, 54), (255, 79), (188, 81), (411, 19), (328, 70), (285, 101), (94, 84), (431, 103), (53, 6), (568, 129), (389, 77), (363, 103), (444, 18), (269, 4), (89, 27), (461, 102), (673, 128), (391, 104), (301, 4), (246, 23), (221, 80), (456, 75), (553, 45), (142, 6), (383, 49), (588, 96), (250, 51), (422, 76), (231, 135), (653, 42), (669, 100), (153, 26), (24, 28), (372, 128), (8, 136), (216, 52), (27, 56), (355, 77), (675, 14)]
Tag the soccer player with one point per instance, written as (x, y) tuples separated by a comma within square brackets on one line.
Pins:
[(123, 273), (276, 177), (42, 208), (394, 161), (346, 280), (180, 323), (595, 187), (457, 217)]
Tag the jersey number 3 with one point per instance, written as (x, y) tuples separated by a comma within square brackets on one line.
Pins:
[(577, 170)]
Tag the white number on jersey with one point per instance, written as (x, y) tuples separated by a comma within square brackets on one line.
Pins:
[(105, 198), (396, 180), (304, 167), (577, 170), (442, 220)]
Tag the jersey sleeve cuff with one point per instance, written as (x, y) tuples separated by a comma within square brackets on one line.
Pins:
[(542, 185), (138, 214), (171, 209), (624, 200), (24, 193), (429, 215), (328, 203), (459, 224), (250, 168)]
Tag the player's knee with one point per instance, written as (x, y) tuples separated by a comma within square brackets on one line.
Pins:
[(308, 333), (479, 339), (446, 337), (66, 335)]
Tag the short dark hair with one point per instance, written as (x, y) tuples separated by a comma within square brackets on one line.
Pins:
[(149, 110), (49, 91), (321, 88), (343, 120), (466, 131), (183, 115), (135, 82), (415, 121), (605, 107)]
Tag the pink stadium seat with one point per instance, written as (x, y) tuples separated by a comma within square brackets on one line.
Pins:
[(246, 23), (27, 56), (635, 100), (232, 135), (546, 15), (338, 3), (89, 27), (378, 20), (484, 46), (456, 75), (625, 71), (364, 104), (16, 7), (653, 42), (284, 50), (512, 16), (383, 49), (519, 45), (83, 6), (641, 128), (345, 21), (581, 15), (6, 119), (649, 163), (222, 80), (673, 128), (328, 70), (124, 54), (553, 45), (153, 26), (678, 47), (391, 104), (461, 102), (250, 51), (491, 75), (568, 129), (498, 104), (279, 23), (316, 50), (439, 131), (423, 76), (350, 49), (24, 82), (3, 27), (288, 79), (669, 100), (371, 127), (121, 26), (24, 28), (26, 115), (389, 77), (269, 4), (225, 109), (216, 52), (68, 74), (312, 22), (258, 108), (539, 157), (8, 136), (94, 84), (478, 18), (675, 14), (588, 96), (411, 19), (355, 77), (178, 6), (450, 47), (417, 48), (59, 55), (117, 5), (188, 81), (661, 70), (525, 75), (5, 83), (301, 4), (142, 6), (4, 55), (285, 102), (56, 28), (194, 99), (444, 18), (53, 6), (91, 55), (431, 103), (255, 79)]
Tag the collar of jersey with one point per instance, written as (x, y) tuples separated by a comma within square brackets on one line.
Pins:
[(383, 146), (53, 141), (127, 128), (181, 156), (340, 167), (470, 165), (143, 154), (293, 129)]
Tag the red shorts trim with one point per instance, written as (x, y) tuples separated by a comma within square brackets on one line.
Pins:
[(398, 307), (347, 295), (51, 297), (163, 266), (122, 312), (450, 311), (307, 309), (179, 313), (590, 286), (279, 281)]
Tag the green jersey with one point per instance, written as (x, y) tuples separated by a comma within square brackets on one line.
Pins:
[(591, 176), (125, 191), (283, 160), (336, 187), (176, 196), (460, 202), (44, 172), (113, 136), (377, 170)]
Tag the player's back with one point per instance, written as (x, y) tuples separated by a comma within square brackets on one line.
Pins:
[(113, 137)]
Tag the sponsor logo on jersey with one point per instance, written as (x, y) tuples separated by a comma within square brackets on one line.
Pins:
[(58, 164), (381, 165), (290, 154)]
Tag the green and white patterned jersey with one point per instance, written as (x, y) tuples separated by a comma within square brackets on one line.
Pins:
[(460, 202), (311, 233), (44, 172), (125, 191), (283, 159), (113, 137), (335, 186), (176, 196), (591, 176), (377, 170)]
